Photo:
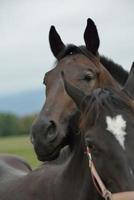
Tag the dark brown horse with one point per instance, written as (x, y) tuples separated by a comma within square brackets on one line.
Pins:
[(83, 68), (69, 176), (107, 123), (12, 167)]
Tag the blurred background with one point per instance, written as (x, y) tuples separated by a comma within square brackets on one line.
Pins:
[(25, 55)]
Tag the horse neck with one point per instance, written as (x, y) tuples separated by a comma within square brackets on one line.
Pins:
[(78, 174), (78, 158)]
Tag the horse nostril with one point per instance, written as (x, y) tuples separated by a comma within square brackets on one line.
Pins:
[(53, 123), (44, 131), (51, 131)]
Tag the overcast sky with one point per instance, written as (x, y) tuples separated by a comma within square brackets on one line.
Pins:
[(25, 55)]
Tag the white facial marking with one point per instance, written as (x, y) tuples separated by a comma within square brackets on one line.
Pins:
[(117, 126)]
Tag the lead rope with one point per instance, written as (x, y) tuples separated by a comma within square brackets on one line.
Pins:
[(102, 190)]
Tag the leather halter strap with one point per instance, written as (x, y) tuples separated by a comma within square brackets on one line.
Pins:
[(100, 186)]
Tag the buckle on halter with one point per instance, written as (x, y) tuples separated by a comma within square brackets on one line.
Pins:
[(108, 195)]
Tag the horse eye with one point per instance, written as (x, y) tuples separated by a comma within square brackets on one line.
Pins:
[(88, 76), (92, 146)]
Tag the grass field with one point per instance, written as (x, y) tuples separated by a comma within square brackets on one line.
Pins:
[(20, 146)]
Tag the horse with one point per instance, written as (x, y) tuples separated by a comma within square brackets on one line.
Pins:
[(12, 167), (69, 176), (107, 124), (85, 69)]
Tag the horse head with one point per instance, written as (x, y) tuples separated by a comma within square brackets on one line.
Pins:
[(107, 124), (83, 68)]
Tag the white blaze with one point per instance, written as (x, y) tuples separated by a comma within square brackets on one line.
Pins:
[(117, 126)]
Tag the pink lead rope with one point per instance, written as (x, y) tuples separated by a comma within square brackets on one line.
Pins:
[(102, 190)]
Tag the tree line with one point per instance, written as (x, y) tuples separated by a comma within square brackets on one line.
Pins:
[(11, 125)]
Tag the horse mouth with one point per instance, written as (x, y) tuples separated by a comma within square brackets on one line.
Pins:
[(51, 155)]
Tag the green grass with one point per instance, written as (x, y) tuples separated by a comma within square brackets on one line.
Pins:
[(20, 146)]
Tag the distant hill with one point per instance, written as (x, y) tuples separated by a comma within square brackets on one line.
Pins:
[(23, 103)]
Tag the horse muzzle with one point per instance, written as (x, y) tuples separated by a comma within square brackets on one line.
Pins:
[(48, 152)]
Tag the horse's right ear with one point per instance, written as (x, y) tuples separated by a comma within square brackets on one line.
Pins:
[(129, 85), (75, 93), (91, 37), (55, 41)]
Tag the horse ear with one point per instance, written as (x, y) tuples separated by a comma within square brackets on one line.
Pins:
[(75, 93), (55, 41), (129, 85), (91, 37)]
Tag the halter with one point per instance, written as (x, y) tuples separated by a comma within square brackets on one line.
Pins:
[(100, 186)]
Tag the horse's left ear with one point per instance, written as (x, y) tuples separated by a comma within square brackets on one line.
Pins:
[(75, 93), (91, 37), (129, 85)]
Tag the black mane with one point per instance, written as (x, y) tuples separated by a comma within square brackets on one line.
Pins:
[(105, 100), (116, 70)]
